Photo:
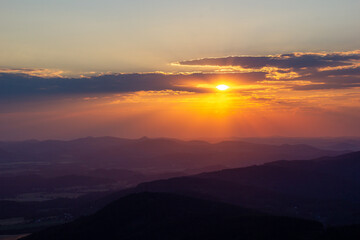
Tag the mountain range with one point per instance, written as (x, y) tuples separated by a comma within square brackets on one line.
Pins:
[(284, 199)]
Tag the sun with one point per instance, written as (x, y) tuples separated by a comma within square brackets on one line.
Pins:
[(222, 87)]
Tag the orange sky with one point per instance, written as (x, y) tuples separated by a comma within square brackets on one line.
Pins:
[(80, 68), (297, 94)]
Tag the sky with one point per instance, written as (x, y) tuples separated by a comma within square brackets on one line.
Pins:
[(80, 68)]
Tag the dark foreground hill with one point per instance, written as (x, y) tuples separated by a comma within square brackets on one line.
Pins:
[(325, 189), (168, 216)]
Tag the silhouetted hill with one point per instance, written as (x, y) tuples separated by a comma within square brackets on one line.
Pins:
[(351, 232), (331, 177), (166, 216), (45, 170), (325, 189)]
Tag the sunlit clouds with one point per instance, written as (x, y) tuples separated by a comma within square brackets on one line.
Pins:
[(323, 70), (296, 94)]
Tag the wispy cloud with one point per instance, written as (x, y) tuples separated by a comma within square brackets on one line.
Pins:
[(295, 60), (34, 72)]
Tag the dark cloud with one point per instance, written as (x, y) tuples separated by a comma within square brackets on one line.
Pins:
[(353, 71), (326, 86), (331, 79), (294, 60), (22, 85)]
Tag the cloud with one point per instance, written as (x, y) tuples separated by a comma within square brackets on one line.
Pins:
[(326, 86), (292, 60), (294, 71), (337, 70), (21, 85), (40, 72)]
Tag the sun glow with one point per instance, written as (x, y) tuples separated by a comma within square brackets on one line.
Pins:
[(222, 87)]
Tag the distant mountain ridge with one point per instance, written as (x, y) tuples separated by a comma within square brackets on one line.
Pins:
[(333, 143), (160, 154)]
